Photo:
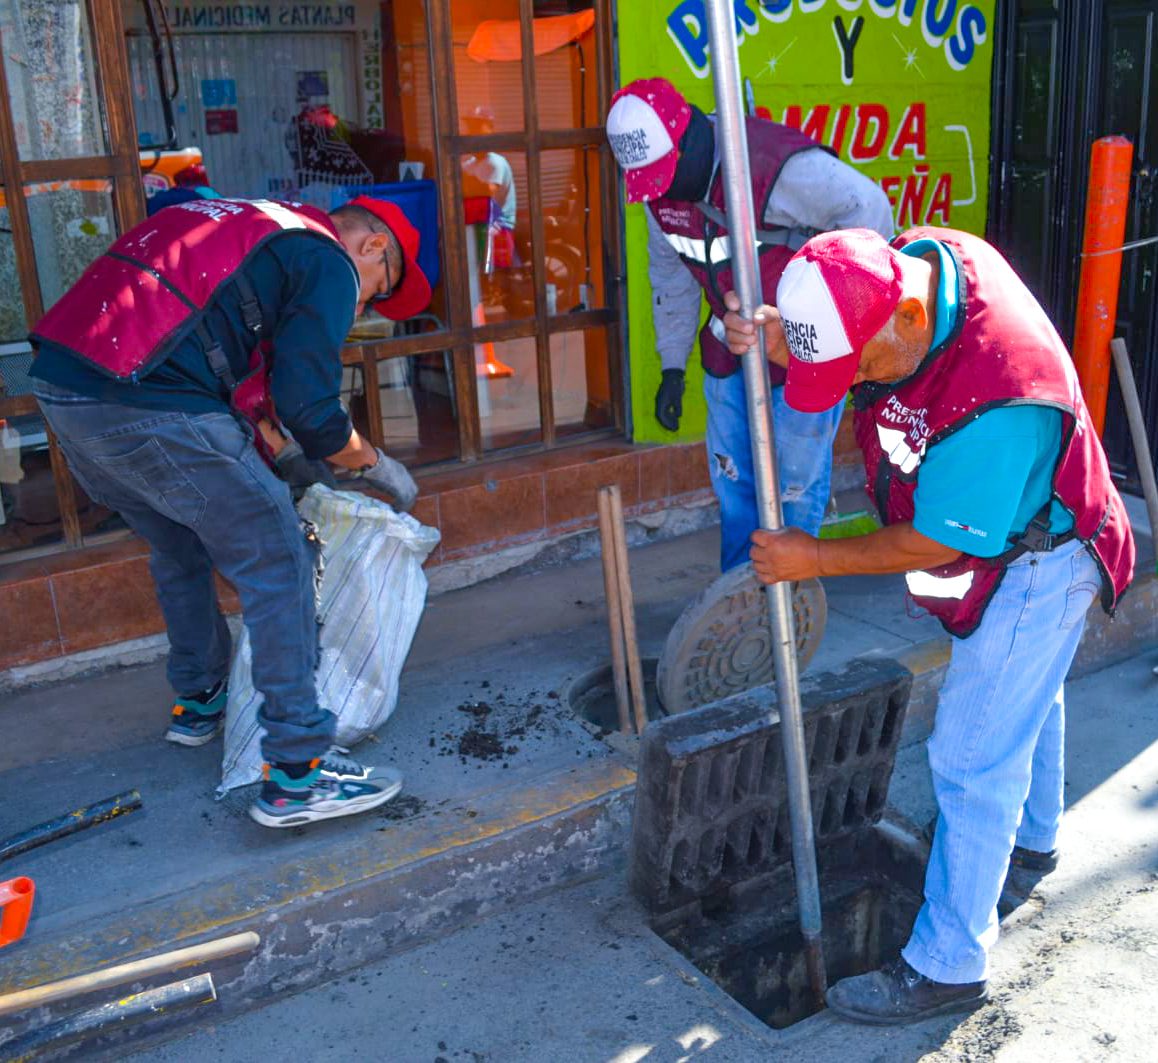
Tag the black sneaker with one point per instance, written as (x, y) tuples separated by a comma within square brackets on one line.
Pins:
[(295, 794), (898, 994), (198, 718)]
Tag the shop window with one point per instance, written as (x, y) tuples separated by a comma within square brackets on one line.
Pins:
[(573, 230), (580, 382), (48, 58), (565, 81), (497, 214), (488, 66), (508, 393), (72, 223)]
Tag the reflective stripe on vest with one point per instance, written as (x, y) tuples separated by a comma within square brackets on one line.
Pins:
[(894, 442), (690, 247), (286, 218), (925, 585), (696, 250), (717, 329)]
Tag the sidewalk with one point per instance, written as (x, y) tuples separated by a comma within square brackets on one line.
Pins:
[(507, 795), (577, 977)]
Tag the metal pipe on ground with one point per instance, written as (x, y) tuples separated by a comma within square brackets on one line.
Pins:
[(119, 1013), (71, 822), (614, 609), (1137, 422), (732, 138), (123, 973), (627, 607)]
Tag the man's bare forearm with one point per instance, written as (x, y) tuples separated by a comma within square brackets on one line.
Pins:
[(897, 548)]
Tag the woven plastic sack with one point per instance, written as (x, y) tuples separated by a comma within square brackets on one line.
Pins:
[(372, 594)]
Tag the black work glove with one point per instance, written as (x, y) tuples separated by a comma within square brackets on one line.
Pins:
[(299, 471), (669, 400), (391, 478)]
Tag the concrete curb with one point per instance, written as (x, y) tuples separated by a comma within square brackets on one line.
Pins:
[(349, 906)]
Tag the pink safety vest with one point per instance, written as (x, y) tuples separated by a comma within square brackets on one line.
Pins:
[(1002, 351), (150, 289), (699, 234)]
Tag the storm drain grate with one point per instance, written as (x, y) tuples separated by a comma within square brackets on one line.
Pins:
[(711, 806)]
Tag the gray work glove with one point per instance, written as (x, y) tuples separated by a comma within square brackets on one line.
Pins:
[(391, 478), (669, 400), (299, 471)]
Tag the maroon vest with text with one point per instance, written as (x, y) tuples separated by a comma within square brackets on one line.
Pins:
[(1002, 351), (705, 248), (150, 289)]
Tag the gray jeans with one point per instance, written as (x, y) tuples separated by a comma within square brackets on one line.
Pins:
[(193, 486)]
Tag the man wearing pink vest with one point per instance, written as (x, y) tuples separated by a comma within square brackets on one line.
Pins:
[(667, 150), (997, 502), (166, 372)]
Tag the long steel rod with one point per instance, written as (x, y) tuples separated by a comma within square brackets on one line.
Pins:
[(92, 1022), (70, 823), (123, 973), (732, 140)]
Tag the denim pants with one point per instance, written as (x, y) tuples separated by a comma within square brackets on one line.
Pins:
[(997, 755), (803, 460), (194, 487)]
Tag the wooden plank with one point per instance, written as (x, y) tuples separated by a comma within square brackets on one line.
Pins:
[(591, 137), (85, 168), (373, 395), (538, 227), (454, 236), (613, 261), (581, 319), (117, 99)]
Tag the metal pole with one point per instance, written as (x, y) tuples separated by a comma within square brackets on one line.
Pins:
[(103, 1018), (70, 823), (732, 140)]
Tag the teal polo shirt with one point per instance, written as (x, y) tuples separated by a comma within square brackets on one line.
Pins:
[(979, 488)]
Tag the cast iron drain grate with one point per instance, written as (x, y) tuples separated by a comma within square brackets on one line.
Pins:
[(711, 808)]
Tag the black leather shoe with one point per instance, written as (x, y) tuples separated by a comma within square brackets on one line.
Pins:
[(1032, 860), (898, 994)]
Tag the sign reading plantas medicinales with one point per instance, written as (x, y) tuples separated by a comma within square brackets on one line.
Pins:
[(899, 89)]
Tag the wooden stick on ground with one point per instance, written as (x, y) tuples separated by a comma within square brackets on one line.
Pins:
[(614, 609), (627, 605), (127, 972)]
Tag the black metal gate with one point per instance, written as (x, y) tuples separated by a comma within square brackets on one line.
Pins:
[(1067, 72)]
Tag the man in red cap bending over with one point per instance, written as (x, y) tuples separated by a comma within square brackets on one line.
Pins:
[(997, 502), (166, 373)]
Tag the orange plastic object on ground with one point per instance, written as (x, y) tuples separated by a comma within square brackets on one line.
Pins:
[(16, 896), (1107, 200)]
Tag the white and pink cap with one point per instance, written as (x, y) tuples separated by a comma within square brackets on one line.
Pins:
[(834, 296), (644, 126)]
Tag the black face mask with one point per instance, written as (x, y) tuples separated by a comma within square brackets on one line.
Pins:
[(693, 174)]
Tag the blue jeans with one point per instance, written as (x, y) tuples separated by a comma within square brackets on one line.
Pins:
[(194, 487), (997, 755), (803, 460)]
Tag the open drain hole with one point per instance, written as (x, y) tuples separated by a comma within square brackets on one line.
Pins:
[(592, 698), (749, 944)]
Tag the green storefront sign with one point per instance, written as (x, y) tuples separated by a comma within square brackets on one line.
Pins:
[(898, 88)]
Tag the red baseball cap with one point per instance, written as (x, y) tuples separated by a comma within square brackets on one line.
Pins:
[(412, 294), (835, 294), (644, 127)]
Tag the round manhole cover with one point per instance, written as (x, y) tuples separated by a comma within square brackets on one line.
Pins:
[(722, 644)]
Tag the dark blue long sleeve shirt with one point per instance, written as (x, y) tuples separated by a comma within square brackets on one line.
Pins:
[(308, 291)]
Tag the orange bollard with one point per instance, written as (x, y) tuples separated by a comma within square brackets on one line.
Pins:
[(1107, 200), (16, 896)]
